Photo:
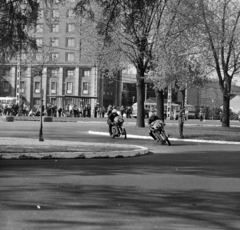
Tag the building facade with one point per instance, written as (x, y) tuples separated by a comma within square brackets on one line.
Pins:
[(62, 72)]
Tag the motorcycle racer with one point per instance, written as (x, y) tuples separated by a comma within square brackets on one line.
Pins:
[(111, 117), (151, 122)]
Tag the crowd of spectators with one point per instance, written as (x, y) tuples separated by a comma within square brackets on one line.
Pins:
[(71, 110)]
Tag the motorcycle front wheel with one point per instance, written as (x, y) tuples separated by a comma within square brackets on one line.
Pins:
[(166, 138)]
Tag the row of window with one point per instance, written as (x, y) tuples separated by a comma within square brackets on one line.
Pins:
[(69, 87), (70, 42), (53, 87), (69, 73), (70, 27), (55, 13)]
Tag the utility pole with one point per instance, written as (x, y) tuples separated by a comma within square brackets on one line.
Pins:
[(41, 110)]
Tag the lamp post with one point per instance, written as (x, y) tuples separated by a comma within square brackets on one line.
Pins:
[(41, 111)]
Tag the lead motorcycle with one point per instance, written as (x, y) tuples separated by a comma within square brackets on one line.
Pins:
[(157, 128), (117, 128)]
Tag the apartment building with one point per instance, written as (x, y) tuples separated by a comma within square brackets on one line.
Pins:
[(63, 75)]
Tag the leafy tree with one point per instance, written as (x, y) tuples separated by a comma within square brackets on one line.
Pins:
[(129, 29), (17, 19)]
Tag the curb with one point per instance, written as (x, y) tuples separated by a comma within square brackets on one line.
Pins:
[(100, 152), (172, 139)]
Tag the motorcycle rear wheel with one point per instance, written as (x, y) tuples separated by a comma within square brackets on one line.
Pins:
[(124, 133)]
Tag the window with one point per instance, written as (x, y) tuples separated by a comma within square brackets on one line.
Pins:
[(55, 42), (55, 14), (54, 72), (39, 28), (70, 73), (39, 57), (37, 87), (70, 27), (85, 87), (36, 101), (55, 28), (39, 41), (70, 57), (70, 14), (40, 14), (22, 86), (53, 87), (54, 56), (69, 87), (86, 73), (5, 86), (70, 42)]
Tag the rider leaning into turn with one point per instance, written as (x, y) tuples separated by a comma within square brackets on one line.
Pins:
[(111, 117), (151, 121)]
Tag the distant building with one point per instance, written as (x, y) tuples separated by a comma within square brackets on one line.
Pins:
[(235, 104)]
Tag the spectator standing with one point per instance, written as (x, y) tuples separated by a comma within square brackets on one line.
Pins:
[(201, 114), (88, 110), (128, 112), (151, 111), (103, 111), (122, 110), (109, 110), (71, 109), (95, 110), (181, 119), (60, 111), (84, 111)]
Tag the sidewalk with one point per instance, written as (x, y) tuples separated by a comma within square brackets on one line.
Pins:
[(24, 148)]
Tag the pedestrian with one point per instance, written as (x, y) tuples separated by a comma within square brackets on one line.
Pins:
[(181, 119)]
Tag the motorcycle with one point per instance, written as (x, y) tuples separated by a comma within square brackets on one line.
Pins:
[(157, 128), (117, 128)]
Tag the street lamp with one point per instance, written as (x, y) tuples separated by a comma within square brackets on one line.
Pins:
[(41, 111)]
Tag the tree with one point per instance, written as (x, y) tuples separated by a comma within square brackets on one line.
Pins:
[(219, 30), (17, 19), (129, 28)]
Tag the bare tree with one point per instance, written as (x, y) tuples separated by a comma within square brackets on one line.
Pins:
[(218, 22)]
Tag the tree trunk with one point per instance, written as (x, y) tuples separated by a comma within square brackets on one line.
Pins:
[(226, 110), (160, 103), (140, 98)]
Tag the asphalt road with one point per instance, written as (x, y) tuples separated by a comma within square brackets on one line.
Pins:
[(184, 186)]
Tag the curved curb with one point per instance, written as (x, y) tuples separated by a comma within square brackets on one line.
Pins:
[(173, 139), (123, 150)]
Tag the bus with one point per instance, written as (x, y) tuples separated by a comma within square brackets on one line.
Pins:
[(148, 105), (7, 101)]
